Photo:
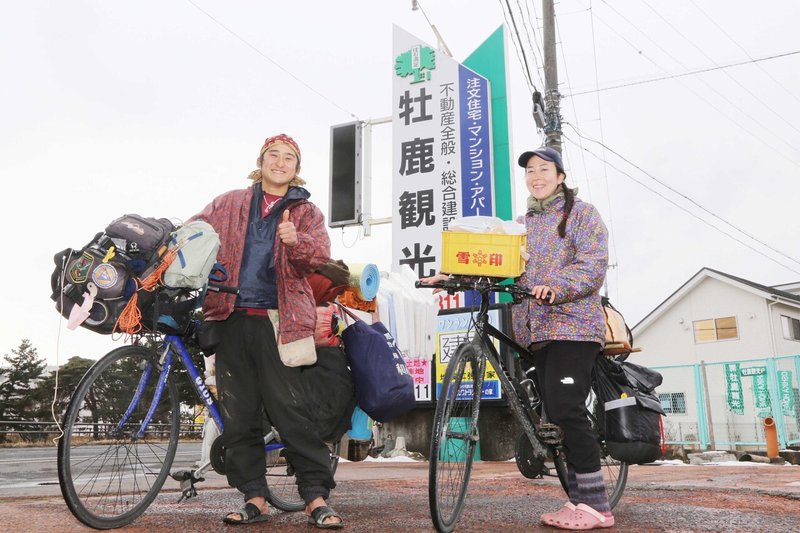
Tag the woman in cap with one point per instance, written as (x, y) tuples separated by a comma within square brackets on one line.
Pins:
[(564, 326)]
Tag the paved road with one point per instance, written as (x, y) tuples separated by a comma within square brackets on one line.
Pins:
[(33, 471), (382, 496)]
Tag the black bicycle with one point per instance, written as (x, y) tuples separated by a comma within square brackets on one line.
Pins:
[(122, 426), (455, 425)]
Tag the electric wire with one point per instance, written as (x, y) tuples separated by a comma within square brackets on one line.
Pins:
[(275, 63), (718, 93), (531, 40), (684, 74), (686, 210), (734, 41), (602, 137), (575, 114), (516, 47), (688, 199), (521, 50), (534, 20), (737, 82)]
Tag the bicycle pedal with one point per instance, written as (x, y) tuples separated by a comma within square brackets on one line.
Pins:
[(181, 475), (550, 434)]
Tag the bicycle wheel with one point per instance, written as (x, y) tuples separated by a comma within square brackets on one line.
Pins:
[(455, 436), (281, 480), (110, 468)]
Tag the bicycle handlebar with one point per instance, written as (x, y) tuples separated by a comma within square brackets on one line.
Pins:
[(484, 285), (215, 287)]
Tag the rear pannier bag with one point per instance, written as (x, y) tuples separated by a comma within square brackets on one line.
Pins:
[(629, 410)]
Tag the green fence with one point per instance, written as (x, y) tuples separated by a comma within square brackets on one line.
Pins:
[(723, 405)]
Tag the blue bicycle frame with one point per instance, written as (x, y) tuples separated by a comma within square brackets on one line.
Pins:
[(171, 344)]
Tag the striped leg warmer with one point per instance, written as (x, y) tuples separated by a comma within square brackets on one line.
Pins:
[(592, 490)]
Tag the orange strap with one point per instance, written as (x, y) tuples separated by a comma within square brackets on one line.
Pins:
[(130, 319)]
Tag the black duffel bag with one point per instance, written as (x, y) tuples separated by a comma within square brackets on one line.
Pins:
[(629, 410)]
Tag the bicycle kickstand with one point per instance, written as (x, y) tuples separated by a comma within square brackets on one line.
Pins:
[(187, 479)]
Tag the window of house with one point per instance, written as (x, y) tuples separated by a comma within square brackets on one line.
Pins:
[(674, 403), (715, 329), (791, 328)]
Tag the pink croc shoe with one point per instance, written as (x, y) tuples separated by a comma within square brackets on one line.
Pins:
[(551, 519), (583, 517)]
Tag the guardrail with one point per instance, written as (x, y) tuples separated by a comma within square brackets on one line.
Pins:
[(22, 428)]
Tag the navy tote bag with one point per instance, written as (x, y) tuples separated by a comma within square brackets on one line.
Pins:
[(384, 387)]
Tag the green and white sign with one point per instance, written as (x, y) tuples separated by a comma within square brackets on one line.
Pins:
[(761, 395), (442, 150), (786, 392), (754, 371), (733, 381)]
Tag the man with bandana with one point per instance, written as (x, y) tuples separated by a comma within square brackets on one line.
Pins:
[(271, 237)]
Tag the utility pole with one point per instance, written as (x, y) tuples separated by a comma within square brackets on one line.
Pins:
[(552, 127)]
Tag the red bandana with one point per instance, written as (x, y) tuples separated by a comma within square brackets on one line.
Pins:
[(280, 138)]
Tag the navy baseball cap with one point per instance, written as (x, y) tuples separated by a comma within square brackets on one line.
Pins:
[(546, 153)]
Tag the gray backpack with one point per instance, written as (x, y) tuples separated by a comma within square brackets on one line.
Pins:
[(196, 245)]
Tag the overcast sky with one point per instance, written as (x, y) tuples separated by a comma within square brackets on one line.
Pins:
[(153, 108)]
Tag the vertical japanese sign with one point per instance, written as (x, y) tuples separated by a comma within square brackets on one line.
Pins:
[(476, 191), (761, 395), (786, 392), (733, 381), (453, 330), (442, 150)]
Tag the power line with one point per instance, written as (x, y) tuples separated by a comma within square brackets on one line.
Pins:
[(737, 82), (710, 103), (683, 74), (533, 40), (734, 41), (690, 200), (265, 56), (575, 113), (521, 46), (516, 48), (602, 136)]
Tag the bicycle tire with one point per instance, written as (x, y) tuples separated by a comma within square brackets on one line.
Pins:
[(281, 481), (453, 445), (109, 477)]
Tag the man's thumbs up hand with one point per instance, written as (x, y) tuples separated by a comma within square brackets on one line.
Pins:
[(286, 230)]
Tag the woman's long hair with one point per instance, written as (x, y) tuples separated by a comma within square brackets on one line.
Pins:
[(569, 201)]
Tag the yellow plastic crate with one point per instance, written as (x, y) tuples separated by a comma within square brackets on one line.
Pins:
[(482, 254)]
